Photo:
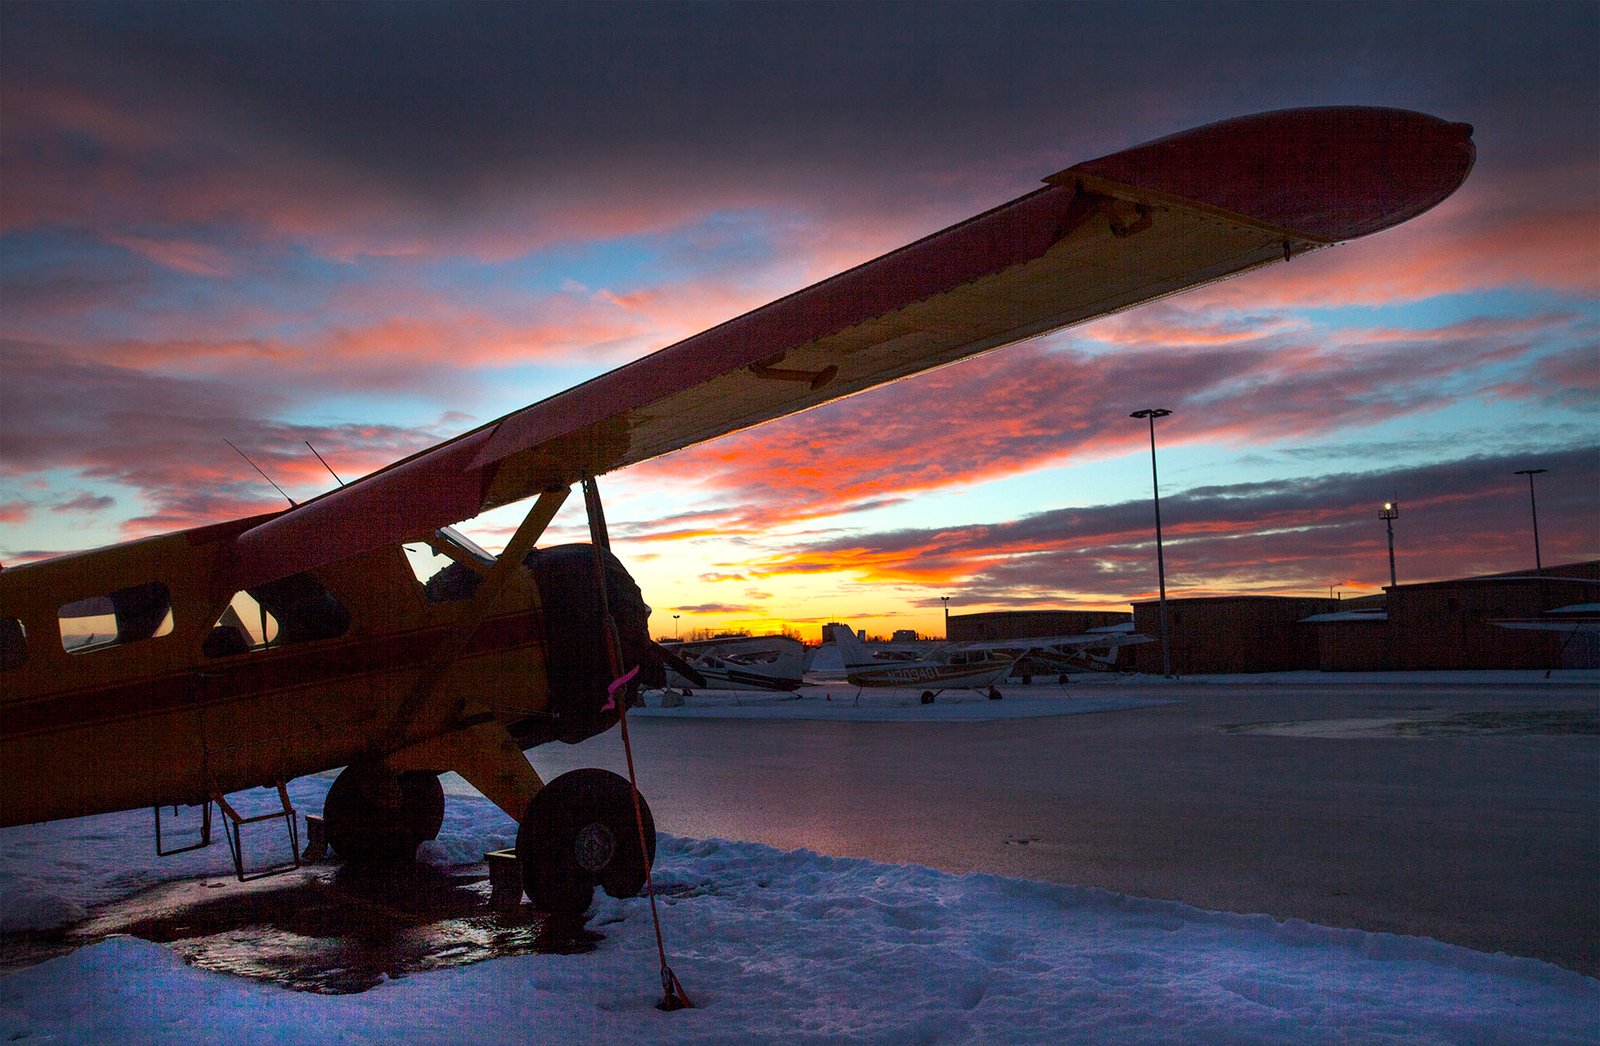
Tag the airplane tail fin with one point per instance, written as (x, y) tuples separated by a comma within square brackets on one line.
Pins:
[(851, 650)]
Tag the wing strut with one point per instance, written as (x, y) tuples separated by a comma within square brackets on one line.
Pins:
[(532, 526), (673, 996)]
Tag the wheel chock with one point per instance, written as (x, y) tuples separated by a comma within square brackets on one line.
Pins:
[(505, 878), (316, 840)]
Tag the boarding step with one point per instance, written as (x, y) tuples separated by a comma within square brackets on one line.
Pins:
[(233, 824)]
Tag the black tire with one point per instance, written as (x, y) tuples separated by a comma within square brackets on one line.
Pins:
[(580, 833), (375, 816), (424, 803)]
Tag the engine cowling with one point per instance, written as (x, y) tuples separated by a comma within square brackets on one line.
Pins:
[(575, 635)]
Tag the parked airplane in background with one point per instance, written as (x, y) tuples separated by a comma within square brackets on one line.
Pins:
[(1094, 650), (251, 652), (741, 663), (961, 666)]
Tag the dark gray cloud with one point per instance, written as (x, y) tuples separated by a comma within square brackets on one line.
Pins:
[(441, 102)]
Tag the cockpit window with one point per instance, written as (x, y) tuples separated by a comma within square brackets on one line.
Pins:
[(13, 643), (449, 567), (295, 609), (458, 540), (127, 615)]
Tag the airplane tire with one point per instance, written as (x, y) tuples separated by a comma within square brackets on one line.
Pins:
[(580, 833), (423, 797), (375, 816)]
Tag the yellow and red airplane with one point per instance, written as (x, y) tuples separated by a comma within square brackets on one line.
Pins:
[(252, 652)]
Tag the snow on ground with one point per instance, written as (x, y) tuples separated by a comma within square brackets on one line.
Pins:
[(788, 947), (835, 699), (841, 701)]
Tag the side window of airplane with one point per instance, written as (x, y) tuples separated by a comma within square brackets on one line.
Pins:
[(443, 578), (13, 643), (127, 615), (295, 609)]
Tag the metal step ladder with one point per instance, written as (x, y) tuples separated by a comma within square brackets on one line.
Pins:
[(233, 823)]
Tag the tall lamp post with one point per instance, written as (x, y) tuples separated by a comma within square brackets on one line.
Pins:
[(1538, 564), (674, 626), (1391, 509), (946, 601), (1152, 414)]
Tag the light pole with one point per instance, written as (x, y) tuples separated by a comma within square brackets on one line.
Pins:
[(1391, 509), (946, 601), (674, 626), (1152, 413), (1538, 564)]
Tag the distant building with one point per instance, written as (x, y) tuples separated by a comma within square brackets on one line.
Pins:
[(1216, 634), (1436, 625), (1030, 624), (1452, 624)]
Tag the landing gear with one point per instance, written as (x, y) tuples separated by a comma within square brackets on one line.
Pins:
[(580, 833), (375, 816)]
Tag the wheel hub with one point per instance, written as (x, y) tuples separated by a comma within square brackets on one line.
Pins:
[(594, 846)]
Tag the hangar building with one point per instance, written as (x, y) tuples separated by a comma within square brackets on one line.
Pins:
[(1030, 624), (1434, 625)]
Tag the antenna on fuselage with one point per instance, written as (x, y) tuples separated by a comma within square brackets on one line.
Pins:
[(264, 476), (325, 464)]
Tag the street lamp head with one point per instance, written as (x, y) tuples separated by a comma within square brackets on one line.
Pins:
[(1391, 510), (1150, 412)]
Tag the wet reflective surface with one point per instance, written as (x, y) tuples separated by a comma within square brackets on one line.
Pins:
[(325, 928)]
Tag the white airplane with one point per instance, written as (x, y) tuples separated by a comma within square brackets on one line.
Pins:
[(1095, 649), (974, 665), (742, 663)]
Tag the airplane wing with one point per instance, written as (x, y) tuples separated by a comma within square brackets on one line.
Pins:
[(1100, 236), (1029, 644)]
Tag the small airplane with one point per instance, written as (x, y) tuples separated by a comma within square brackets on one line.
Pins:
[(742, 663), (947, 667), (1095, 650), (183, 668), (973, 665)]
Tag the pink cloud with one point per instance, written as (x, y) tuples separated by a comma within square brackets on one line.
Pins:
[(1032, 407), (196, 259), (1292, 537)]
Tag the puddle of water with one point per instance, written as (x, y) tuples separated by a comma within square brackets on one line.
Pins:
[(324, 928), (1460, 724)]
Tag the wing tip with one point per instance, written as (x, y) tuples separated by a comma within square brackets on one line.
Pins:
[(1332, 173)]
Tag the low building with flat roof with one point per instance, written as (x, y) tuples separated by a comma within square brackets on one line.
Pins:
[(1219, 634), (1030, 624)]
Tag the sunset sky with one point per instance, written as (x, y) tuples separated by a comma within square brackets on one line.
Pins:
[(373, 227)]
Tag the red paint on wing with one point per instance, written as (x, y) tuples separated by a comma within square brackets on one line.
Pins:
[(1331, 173)]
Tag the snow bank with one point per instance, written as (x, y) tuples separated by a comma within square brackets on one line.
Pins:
[(797, 947)]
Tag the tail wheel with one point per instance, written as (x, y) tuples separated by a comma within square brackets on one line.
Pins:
[(580, 833), (373, 815)]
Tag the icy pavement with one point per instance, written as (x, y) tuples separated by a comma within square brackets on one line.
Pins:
[(790, 946), (845, 703)]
